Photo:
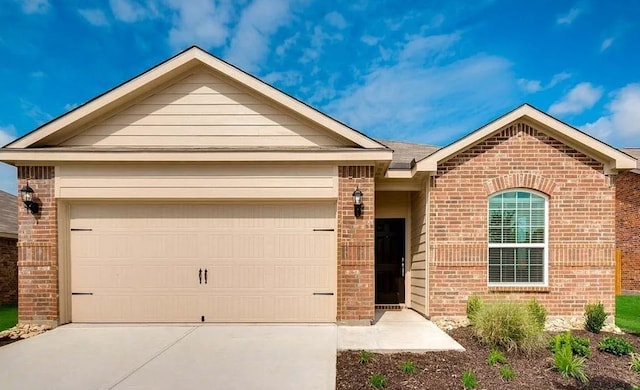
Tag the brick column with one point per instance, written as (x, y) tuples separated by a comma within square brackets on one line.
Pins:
[(356, 246), (38, 250)]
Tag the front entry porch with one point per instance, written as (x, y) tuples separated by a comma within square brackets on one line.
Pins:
[(396, 331)]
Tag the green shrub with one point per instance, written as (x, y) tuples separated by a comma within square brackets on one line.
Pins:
[(635, 363), (509, 326), (615, 345), (507, 373), (469, 380), (474, 304), (408, 367), (594, 317), (496, 357), (538, 312), (569, 366), (579, 345), (378, 381), (365, 357)]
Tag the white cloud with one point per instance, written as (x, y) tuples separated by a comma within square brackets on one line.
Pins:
[(37, 74), (530, 86), (317, 41), (8, 173), (606, 44), (259, 20), (7, 134), (622, 121), (410, 98), (557, 78), (581, 97), (94, 16), (70, 106), (533, 86), (287, 44), (35, 112), (431, 47), (35, 6), (336, 20), (570, 16), (369, 40), (8, 178), (200, 22), (130, 11), (286, 79)]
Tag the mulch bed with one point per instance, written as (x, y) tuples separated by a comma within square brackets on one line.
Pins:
[(443, 370)]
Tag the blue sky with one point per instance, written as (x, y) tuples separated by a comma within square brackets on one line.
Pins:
[(418, 71)]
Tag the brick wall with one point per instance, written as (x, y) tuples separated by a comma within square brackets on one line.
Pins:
[(37, 250), (356, 245), (581, 222), (628, 228), (8, 271)]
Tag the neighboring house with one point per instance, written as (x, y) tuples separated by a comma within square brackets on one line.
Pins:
[(196, 192), (628, 225), (8, 249)]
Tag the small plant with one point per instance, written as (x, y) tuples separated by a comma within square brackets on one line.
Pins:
[(408, 367), (615, 346), (594, 317), (509, 326), (538, 312), (579, 345), (474, 304), (569, 366), (365, 357), (378, 381), (507, 373), (635, 363), (496, 357), (469, 380)]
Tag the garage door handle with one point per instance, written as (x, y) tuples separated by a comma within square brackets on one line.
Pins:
[(322, 293), (205, 275), (200, 275)]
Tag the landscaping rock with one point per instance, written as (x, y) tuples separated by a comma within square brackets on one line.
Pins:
[(24, 331)]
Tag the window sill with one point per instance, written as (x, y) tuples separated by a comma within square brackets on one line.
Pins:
[(533, 289)]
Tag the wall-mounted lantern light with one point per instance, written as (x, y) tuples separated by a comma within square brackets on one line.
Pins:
[(27, 198), (357, 202)]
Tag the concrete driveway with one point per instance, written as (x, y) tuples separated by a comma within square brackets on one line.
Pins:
[(173, 357)]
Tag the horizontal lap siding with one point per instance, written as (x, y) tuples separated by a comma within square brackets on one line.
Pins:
[(230, 181), (581, 222), (202, 110), (418, 251)]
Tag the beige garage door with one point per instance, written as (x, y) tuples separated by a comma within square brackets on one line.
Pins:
[(217, 263)]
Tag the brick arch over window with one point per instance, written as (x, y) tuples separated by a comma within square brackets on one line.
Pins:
[(519, 180)]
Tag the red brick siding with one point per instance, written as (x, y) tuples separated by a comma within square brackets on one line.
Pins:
[(628, 228), (37, 250), (8, 271), (581, 222), (355, 245)]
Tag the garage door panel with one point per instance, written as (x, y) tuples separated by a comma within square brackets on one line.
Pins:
[(264, 262)]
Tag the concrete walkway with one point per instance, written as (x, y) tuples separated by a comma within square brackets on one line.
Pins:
[(173, 357), (396, 331)]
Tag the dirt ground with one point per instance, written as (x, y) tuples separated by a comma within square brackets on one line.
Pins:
[(443, 370)]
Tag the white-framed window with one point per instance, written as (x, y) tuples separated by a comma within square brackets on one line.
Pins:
[(518, 224)]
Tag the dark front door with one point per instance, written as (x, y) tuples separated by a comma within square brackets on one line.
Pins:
[(389, 261)]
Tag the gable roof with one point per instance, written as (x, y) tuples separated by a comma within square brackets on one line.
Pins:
[(634, 152), (612, 158), (8, 215), (167, 70), (405, 154)]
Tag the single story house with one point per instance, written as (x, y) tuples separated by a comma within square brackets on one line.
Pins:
[(8, 249), (195, 192), (628, 225)]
